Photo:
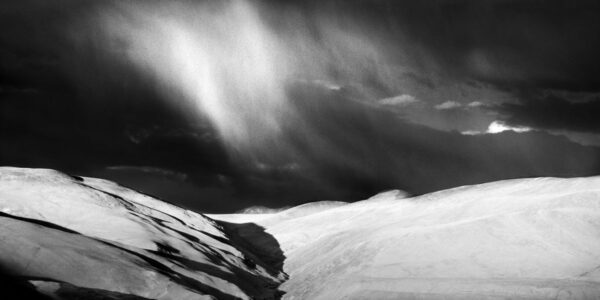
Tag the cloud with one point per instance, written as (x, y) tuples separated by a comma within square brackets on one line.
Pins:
[(471, 132), (105, 100), (448, 105), (150, 170), (327, 84), (573, 115), (499, 126), (475, 104), (551, 112), (556, 51), (400, 100)]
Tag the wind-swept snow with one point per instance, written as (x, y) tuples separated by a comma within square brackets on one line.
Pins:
[(92, 233), (515, 239)]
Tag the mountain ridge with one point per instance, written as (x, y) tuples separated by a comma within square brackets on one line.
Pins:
[(534, 238)]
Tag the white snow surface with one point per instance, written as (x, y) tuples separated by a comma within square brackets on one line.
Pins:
[(515, 239), (93, 233)]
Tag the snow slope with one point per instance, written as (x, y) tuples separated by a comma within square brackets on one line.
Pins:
[(68, 234), (515, 239), (88, 238)]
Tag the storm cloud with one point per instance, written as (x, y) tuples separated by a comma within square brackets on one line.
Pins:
[(222, 106)]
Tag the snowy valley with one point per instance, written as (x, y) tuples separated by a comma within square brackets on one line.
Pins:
[(533, 238)]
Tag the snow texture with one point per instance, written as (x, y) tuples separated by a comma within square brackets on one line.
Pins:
[(533, 238), (515, 239), (67, 233)]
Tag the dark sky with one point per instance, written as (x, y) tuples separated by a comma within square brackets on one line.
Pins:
[(222, 105)]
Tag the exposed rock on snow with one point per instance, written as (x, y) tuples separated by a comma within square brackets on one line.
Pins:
[(515, 239), (86, 234)]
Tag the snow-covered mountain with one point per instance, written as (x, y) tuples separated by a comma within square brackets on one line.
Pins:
[(515, 239), (70, 235)]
